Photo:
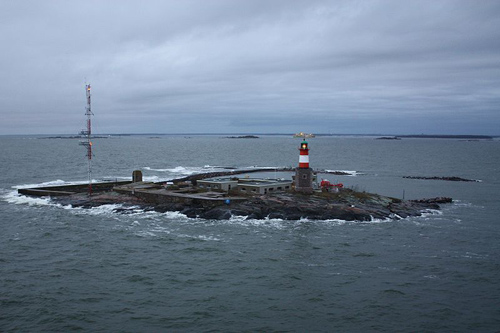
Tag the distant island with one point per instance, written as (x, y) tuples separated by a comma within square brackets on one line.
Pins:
[(388, 138), (451, 179), (242, 137), (437, 136), (73, 137)]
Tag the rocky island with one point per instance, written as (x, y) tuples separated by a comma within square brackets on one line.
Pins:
[(193, 201), (242, 137), (221, 195)]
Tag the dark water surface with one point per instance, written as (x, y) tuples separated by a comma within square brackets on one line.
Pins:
[(96, 270)]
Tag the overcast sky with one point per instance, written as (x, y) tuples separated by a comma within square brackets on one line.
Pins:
[(237, 66)]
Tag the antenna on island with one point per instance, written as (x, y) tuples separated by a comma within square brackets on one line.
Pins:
[(87, 132)]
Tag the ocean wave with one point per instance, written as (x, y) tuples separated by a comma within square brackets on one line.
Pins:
[(60, 182), (207, 166), (392, 218), (152, 169), (57, 182), (278, 223), (199, 237), (431, 212), (107, 210), (15, 198)]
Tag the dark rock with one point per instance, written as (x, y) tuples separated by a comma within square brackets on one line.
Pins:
[(451, 179), (436, 200)]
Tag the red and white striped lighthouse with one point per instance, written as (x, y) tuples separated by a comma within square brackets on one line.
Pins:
[(304, 174), (304, 155)]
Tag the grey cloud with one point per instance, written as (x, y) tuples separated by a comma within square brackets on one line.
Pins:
[(251, 66)]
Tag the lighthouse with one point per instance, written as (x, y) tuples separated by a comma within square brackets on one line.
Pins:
[(304, 155), (304, 174)]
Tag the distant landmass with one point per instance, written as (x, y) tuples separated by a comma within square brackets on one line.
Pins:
[(242, 137), (380, 136), (482, 137), (74, 137)]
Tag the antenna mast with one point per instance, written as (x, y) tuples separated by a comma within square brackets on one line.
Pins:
[(87, 132)]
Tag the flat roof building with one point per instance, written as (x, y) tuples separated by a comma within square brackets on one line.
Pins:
[(246, 185)]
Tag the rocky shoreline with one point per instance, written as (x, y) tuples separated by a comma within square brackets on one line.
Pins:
[(346, 205), (184, 196)]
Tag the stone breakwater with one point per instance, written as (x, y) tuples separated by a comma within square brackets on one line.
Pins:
[(215, 174)]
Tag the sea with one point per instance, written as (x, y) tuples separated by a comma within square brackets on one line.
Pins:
[(109, 270)]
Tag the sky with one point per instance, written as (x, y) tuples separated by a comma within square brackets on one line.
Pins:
[(256, 66)]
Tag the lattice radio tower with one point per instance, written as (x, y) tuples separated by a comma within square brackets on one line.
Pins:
[(87, 132)]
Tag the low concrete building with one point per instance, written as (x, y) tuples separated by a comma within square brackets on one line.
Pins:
[(221, 184), (263, 186), (246, 185)]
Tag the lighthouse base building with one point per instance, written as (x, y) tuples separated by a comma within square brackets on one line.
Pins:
[(304, 180)]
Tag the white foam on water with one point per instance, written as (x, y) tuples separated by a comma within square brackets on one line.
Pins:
[(460, 204), (60, 182), (175, 215), (245, 221), (151, 169), (386, 220), (145, 233), (211, 167), (280, 223), (15, 198), (431, 212), (336, 222), (57, 182), (105, 210), (472, 255), (182, 170), (154, 179), (200, 237), (350, 173)]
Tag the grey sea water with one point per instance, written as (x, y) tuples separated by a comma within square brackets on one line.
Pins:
[(96, 270)]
